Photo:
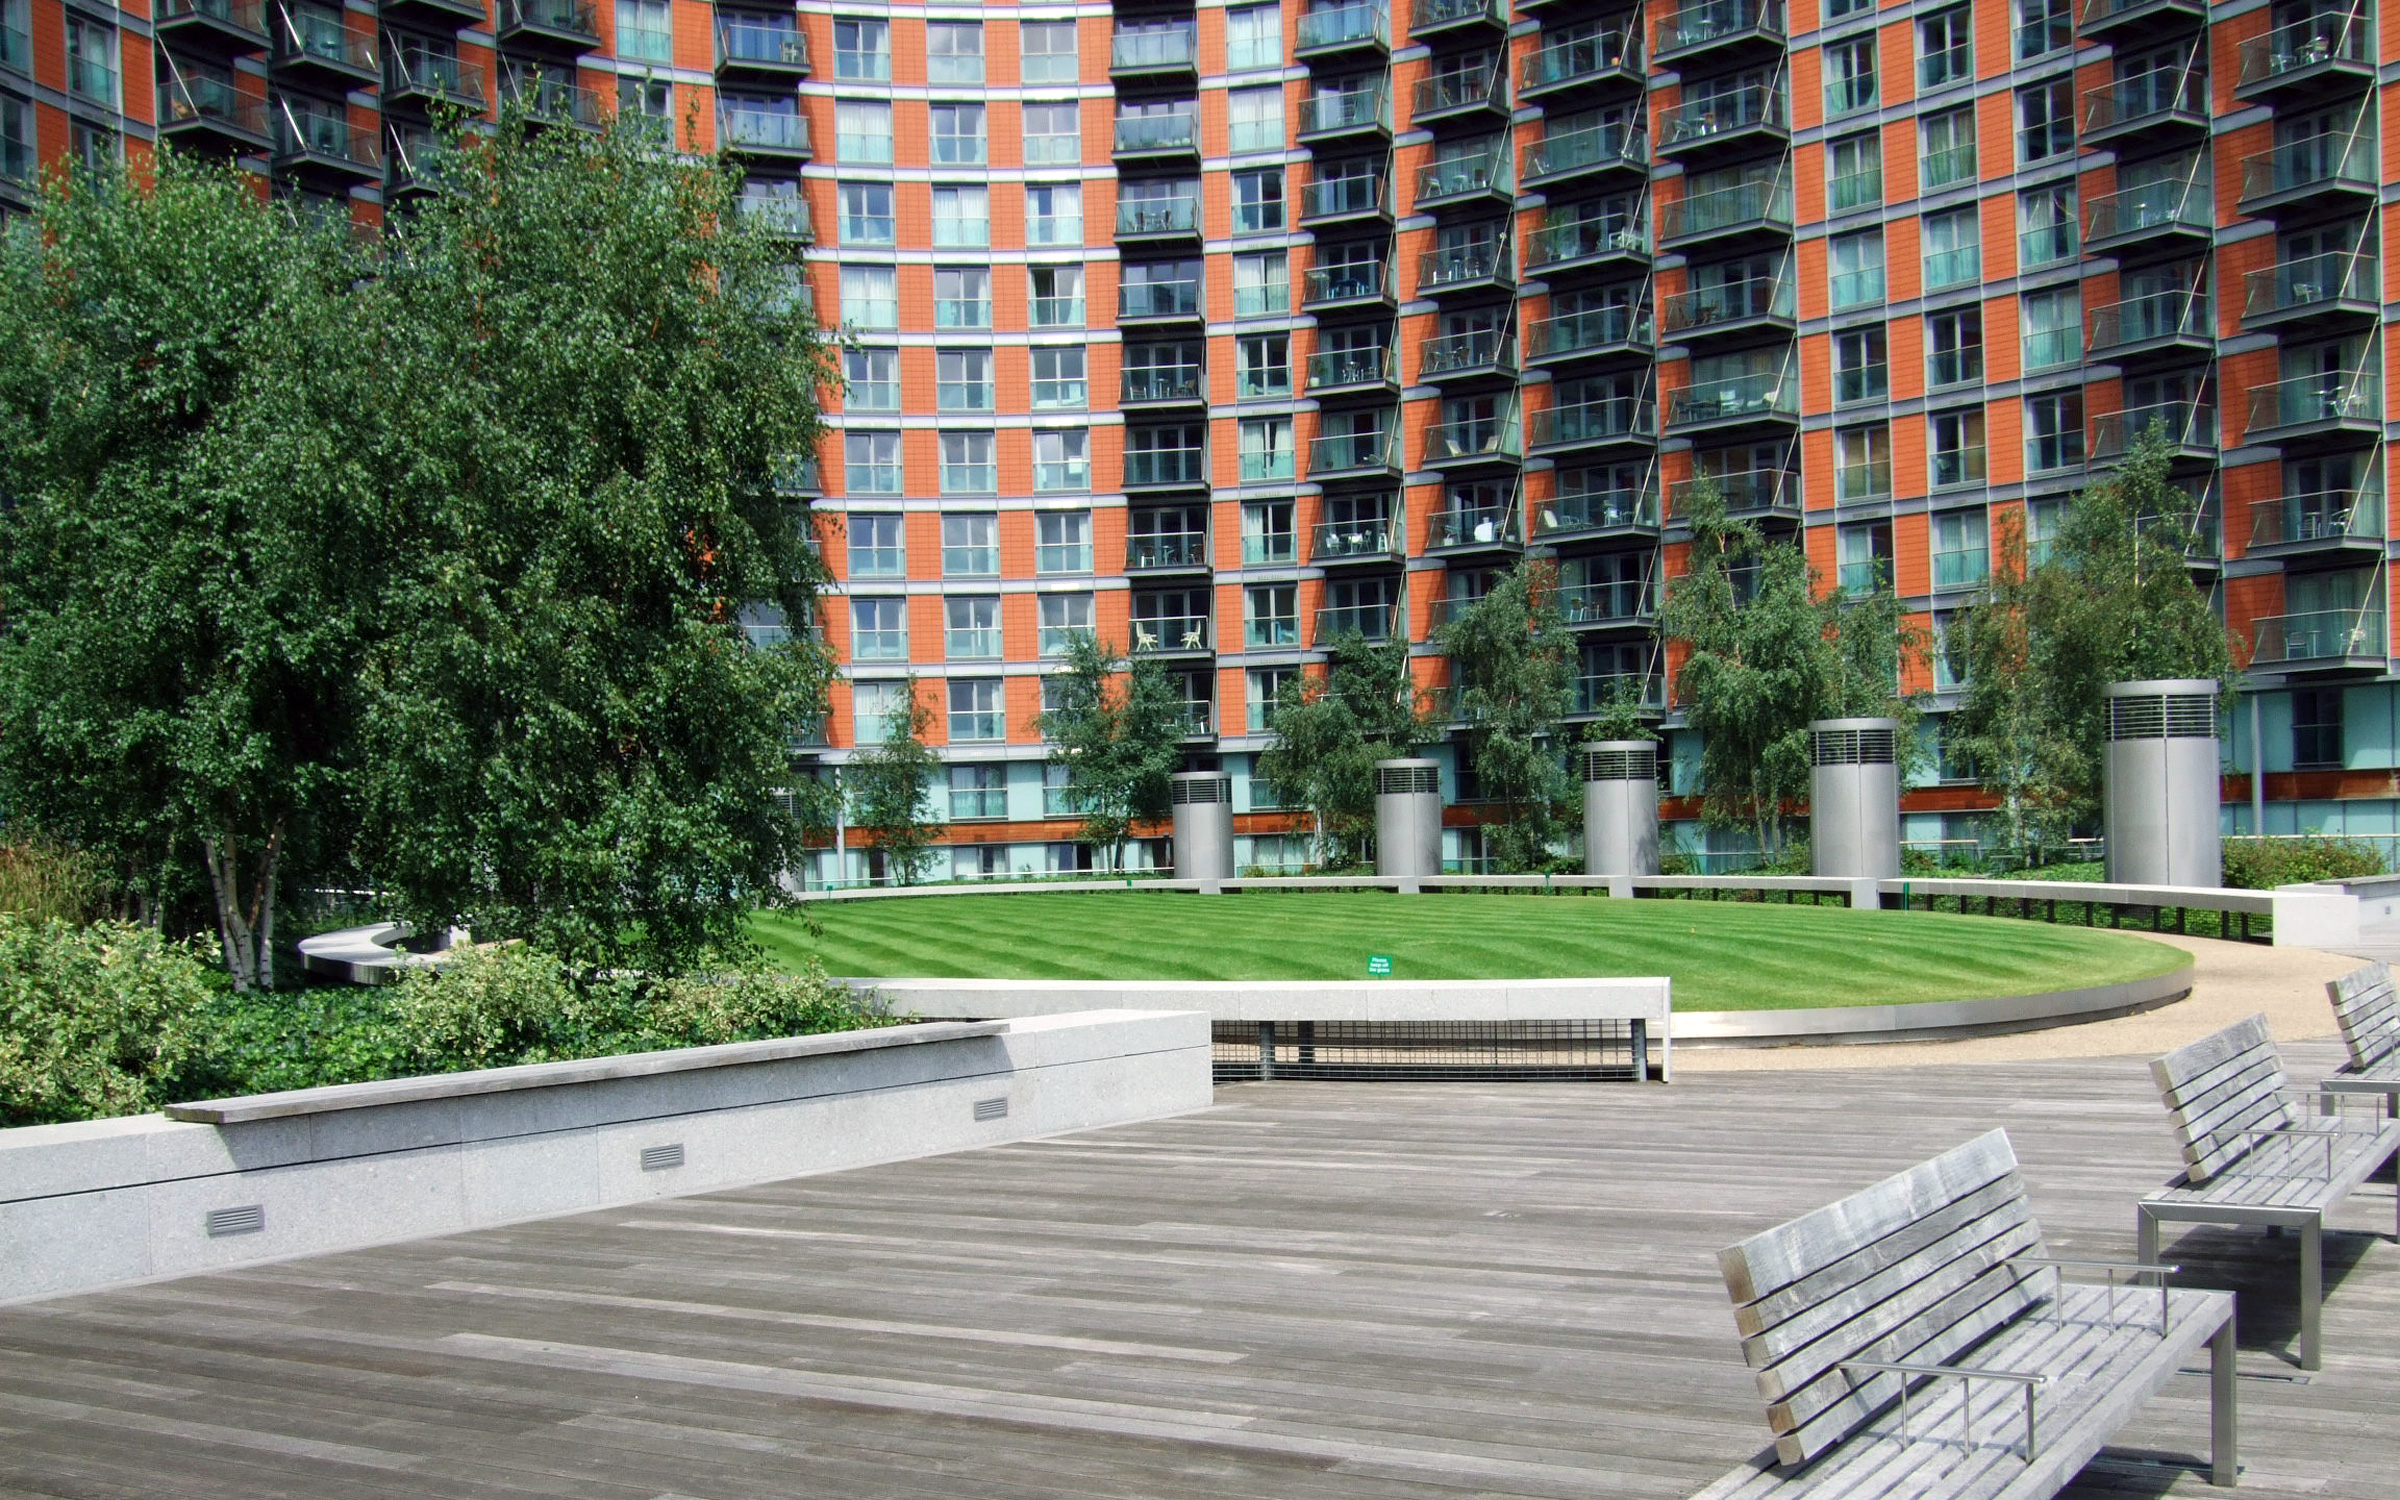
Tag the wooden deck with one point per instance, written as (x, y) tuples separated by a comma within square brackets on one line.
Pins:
[(1315, 1290)]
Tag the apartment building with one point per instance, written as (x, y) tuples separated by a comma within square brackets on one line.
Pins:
[(1224, 328)]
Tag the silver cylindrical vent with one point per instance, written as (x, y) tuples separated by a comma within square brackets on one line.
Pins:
[(1620, 808), (2159, 783), (1408, 818), (1203, 803), (1854, 798)]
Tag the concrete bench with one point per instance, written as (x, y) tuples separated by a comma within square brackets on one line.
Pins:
[(1915, 1339), (2251, 1156), (2369, 1012)]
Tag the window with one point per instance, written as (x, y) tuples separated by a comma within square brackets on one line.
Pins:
[(1946, 644), (1957, 444), (2054, 431), (1953, 249), (1945, 48), (957, 135), (1865, 557), (1854, 173), (871, 379), (962, 379), (1862, 463), (1267, 535), (2045, 121), (873, 707), (1255, 119), (2053, 328), (976, 861), (862, 50), (2042, 518), (1271, 615), (970, 546), (1254, 37), (1961, 549), (1861, 365), (1062, 541), (1835, 9), (971, 628), (1053, 213), (962, 297), (968, 464), (2316, 729), (1062, 460), (16, 139), (1954, 347), (2045, 225), (1057, 296), (1265, 372), (1262, 690), (1948, 148), (1258, 201), (644, 31), (1262, 285), (1158, 288), (1850, 76), (1061, 618), (1053, 134), (867, 213), (1058, 379), (962, 217), (1856, 261), (2043, 27), (879, 629), (92, 61), (646, 104), (1048, 51), (871, 297), (975, 712), (878, 545), (1266, 449), (871, 462), (954, 52)]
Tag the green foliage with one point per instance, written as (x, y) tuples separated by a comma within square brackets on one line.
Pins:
[(2255, 864), (1329, 732), (1622, 717), (1513, 664), (1118, 727), (264, 1043), (94, 1020), (44, 880), (891, 784)]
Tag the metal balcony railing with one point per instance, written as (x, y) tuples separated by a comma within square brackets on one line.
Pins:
[(1618, 600), (1158, 216), (1166, 549), (764, 130), (1460, 264), (786, 215), (2320, 161), (1605, 420), (1749, 492), (1961, 567), (2324, 635), (569, 19), (2149, 206), (1162, 383), (1265, 465), (1372, 621), (1476, 349), (2187, 424), (1871, 382), (1176, 132), (1701, 307), (1154, 47), (1597, 510), (2303, 44), (1338, 540), (1488, 527), (2156, 95), (2156, 315), (1339, 452), (1357, 109), (1710, 21), (1580, 58), (1716, 209), (1357, 194), (771, 46), (1462, 88), (1371, 365), (445, 77), (2310, 281), (246, 16), (1170, 633), (1471, 438), (1555, 243), (1348, 282), (1596, 328), (2342, 396), (1166, 466), (1158, 299), (1750, 106), (312, 36), (1345, 25), (1426, 15), (1463, 175), (1581, 150), (2326, 516), (1767, 395)]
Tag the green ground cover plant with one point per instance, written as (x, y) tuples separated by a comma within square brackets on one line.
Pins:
[(1729, 956)]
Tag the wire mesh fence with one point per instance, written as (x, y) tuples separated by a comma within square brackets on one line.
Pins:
[(1431, 1051)]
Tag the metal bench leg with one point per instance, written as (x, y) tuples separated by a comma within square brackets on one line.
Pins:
[(2312, 1293), (2224, 1463), (2146, 1232)]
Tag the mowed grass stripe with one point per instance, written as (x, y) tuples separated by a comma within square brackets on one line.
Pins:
[(1722, 956)]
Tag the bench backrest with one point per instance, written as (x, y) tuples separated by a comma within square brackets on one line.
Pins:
[(2364, 1003), (1913, 1269), (2220, 1093)]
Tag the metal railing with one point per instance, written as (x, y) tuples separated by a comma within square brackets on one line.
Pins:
[(1162, 383), (2303, 44), (1487, 527), (1158, 216), (1695, 26), (1345, 283), (1555, 243), (1338, 452), (1954, 267), (750, 42), (2340, 396), (1172, 132), (1867, 575), (1591, 146), (1855, 190), (1334, 540), (781, 214), (1771, 394), (1847, 95), (1265, 465), (1597, 510), (2325, 516), (2187, 424), (1868, 481), (2317, 161), (1166, 549), (1604, 420), (1723, 208), (1856, 288), (1357, 109), (1750, 106), (2151, 205), (2321, 635), (2311, 280), (2154, 315), (1459, 264), (2146, 96), (1475, 349), (1595, 328)]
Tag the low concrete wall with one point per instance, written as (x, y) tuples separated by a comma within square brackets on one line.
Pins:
[(235, 1182), (1931, 1021)]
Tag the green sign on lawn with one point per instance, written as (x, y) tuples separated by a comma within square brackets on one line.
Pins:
[(1379, 963)]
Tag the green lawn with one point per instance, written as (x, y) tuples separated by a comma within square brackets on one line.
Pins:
[(1722, 956)]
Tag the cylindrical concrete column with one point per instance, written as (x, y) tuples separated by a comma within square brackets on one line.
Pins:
[(1854, 798), (1203, 802), (2159, 783), (1620, 808), (1408, 818)]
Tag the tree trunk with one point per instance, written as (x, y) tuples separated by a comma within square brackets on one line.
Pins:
[(245, 928)]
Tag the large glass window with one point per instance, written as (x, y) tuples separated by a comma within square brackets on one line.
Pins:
[(879, 629), (878, 543), (2043, 27), (1258, 201), (978, 792), (1861, 365), (2054, 431), (1053, 134), (962, 379), (873, 707), (867, 217), (957, 134), (1856, 264), (1945, 48), (969, 465), (1271, 615), (1862, 463), (1058, 376), (644, 31), (2045, 121), (92, 61), (1956, 441), (870, 379), (962, 217), (1954, 347), (1267, 535), (862, 50), (1953, 249), (1062, 460), (1961, 549), (1048, 51), (971, 628), (2053, 328), (1262, 284), (975, 709), (1062, 541), (871, 463), (871, 297), (1061, 618), (1854, 173), (1266, 448), (971, 546), (954, 51), (1056, 294), (862, 132), (2046, 231), (1265, 371), (1850, 75), (962, 297), (1053, 213), (1255, 119), (1254, 37), (1947, 148)]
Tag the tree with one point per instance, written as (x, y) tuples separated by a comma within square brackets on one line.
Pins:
[(2112, 601), (187, 558), (1118, 728), (1513, 665), (891, 783), (1329, 732)]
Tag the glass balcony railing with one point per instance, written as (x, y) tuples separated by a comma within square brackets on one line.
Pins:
[(1170, 633), (786, 215), (1705, 306), (2326, 516), (2302, 45), (2187, 425), (1471, 438), (1717, 209), (1597, 510), (1345, 26), (1849, 95), (1855, 190), (1462, 176), (16, 45), (312, 36), (1476, 349), (761, 45), (1350, 282), (1753, 106), (1580, 58), (205, 99), (2145, 98), (1337, 540), (1462, 88), (1371, 621), (2171, 204), (1141, 133), (1747, 492), (562, 18), (1587, 148), (1863, 383), (1340, 452), (1857, 288), (1162, 383), (1955, 64), (1264, 465), (1947, 165), (2044, 245), (1599, 691), (764, 130), (1154, 47), (433, 74), (1867, 575), (247, 16), (1871, 480), (1607, 419), (1159, 299), (1598, 328), (1617, 601), (1554, 244), (1430, 15), (1333, 196), (1746, 396), (1158, 216), (1961, 567), (2309, 281), (326, 137), (1712, 21), (1463, 264), (1358, 109), (2349, 397), (2330, 635), (1151, 466), (1166, 549), (2154, 316), (1264, 300), (2320, 161), (1489, 527), (1954, 267)]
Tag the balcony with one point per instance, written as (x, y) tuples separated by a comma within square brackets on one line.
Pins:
[(1154, 302), (1462, 94), (763, 133), (1745, 121), (311, 44), (1372, 541), (1741, 211), (1166, 468), (1472, 442), (1360, 283), (2312, 59), (414, 166), (1432, 18), (1598, 692), (1157, 137), (2190, 428), (1331, 200), (1353, 371), (562, 26), (1596, 153), (1170, 635), (1462, 268), (1168, 552), (752, 49), (1615, 602), (2323, 640), (1158, 54), (202, 111), (2161, 326), (1331, 30), (2336, 409), (1710, 314), (1586, 245), (1454, 358), (2158, 215), (1163, 385), (1612, 422), (1728, 28), (1560, 69), (427, 79), (2314, 294), (218, 28), (1353, 455), (1596, 334), (1373, 622), (2326, 174), (1745, 402), (1467, 180), (2164, 104), (1358, 112), (1493, 528), (441, 15), (1574, 514), (785, 216), (1158, 219), (1750, 494), (326, 145), (2335, 524), (2107, 18)]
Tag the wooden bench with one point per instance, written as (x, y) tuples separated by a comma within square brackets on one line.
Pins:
[(2363, 1001), (1915, 1340), (2251, 1156)]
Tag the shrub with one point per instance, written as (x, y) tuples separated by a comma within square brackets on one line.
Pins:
[(94, 1021), (42, 879), (2255, 864)]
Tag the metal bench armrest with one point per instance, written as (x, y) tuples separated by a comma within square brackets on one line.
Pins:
[(1969, 1373), (2130, 1268), (2061, 1264)]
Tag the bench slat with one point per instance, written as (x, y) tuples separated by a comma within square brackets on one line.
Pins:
[(1777, 1257), (1774, 1326), (2218, 1091), (2368, 1008)]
